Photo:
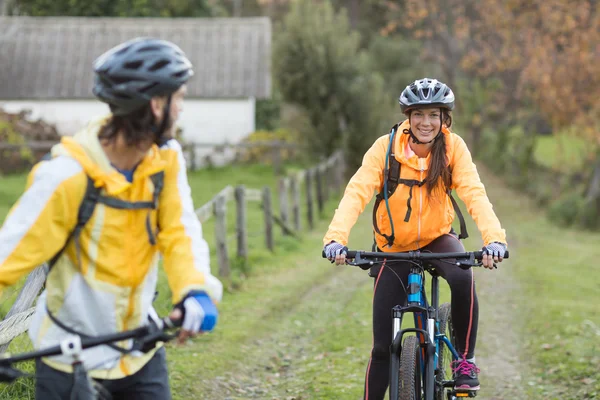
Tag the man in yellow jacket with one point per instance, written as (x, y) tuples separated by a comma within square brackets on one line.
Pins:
[(103, 276)]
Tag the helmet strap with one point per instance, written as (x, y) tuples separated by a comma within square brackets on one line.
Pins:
[(417, 141), (159, 131)]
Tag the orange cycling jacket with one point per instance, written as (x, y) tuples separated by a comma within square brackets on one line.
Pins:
[(432, 215)]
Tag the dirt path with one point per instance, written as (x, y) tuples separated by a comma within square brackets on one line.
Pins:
[(317, 346), (498, 343), (283, 359)]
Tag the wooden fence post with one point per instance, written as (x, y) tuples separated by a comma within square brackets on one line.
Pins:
[(241, 231), (283, 201), (192, 156), (295, 187), (309, 198), (319, 182), (266, 201), (276, 159), (35, 280), (220, 210)]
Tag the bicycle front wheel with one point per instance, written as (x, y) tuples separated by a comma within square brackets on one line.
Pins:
[(409, 382)]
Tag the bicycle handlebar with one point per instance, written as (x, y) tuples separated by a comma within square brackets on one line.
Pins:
[(365, 259), (147, 334), (414, 255)]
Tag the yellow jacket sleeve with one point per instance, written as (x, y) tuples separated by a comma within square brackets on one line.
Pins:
[(186, 258), (358, 193), (470, 189), (39, 224)]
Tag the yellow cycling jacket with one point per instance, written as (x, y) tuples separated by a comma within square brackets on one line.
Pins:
[(431, 216), (114, 287)]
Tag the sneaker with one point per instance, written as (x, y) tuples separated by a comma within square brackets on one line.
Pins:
[(465, 375)]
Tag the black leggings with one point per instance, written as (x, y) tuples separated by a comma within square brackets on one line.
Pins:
[(388, 292)]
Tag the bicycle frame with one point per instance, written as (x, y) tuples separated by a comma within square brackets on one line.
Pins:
[(430, 337)]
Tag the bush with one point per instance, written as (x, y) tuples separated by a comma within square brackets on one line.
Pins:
[(265, 153), (566, 209), (268, 112), (18, 129)]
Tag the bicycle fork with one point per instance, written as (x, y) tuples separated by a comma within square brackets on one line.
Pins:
[(417, 304)]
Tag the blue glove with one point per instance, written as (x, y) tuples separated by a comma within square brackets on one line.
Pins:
[(495, 249), (334, 249), (199, 312)]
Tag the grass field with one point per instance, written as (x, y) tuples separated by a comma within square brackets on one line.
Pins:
[(297, 327), (561, 152)]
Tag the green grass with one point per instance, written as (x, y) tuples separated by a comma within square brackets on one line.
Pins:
[(296, 326), (562, 152), (558, 306), (11, 188)]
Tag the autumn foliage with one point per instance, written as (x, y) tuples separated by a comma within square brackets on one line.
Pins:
[(543, 51)]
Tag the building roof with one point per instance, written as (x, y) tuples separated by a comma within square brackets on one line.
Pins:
[(51, 58)]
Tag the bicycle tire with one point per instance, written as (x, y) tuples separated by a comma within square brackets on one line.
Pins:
[(409, 379), (444, 367)]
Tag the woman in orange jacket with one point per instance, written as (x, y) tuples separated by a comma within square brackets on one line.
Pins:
[(418, 215)]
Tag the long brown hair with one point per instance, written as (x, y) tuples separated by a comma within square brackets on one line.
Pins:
[(438, 163), (136, 127)]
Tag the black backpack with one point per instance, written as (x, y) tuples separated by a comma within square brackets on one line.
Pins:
[(391, 179)]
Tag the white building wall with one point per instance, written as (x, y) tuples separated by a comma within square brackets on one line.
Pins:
[(202, 121)]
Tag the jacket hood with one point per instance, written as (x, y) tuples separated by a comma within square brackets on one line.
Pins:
[(86, 149)]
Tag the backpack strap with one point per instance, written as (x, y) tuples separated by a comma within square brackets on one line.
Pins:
[(391, 179), (86, 209), (463, 226), (158, 180), (92, 197)]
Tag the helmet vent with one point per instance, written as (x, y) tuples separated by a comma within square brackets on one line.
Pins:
[(133, 64), (179, 74), (147, 48), (159, 64), (121, 95)]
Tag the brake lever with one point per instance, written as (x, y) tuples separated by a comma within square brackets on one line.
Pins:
[(9, 374), (361, 262), (149, 342), (470, 262)]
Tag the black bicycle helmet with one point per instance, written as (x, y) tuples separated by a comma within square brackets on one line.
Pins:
[(426, 92), (130, 74)]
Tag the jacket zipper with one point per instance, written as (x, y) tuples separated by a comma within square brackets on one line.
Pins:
[(420, 202)]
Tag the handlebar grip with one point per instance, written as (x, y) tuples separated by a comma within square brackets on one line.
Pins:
[(479, 254), (349, 254)]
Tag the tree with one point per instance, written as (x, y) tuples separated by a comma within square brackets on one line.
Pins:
[(319, 67), (544, 54), (315, 62)]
